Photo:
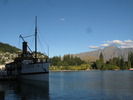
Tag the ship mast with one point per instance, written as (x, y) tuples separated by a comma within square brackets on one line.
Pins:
[(36, 38)]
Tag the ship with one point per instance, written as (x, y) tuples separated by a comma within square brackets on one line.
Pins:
[(27, 66)]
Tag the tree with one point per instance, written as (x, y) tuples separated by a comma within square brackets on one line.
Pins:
[(94, 66), (59, 63), (123, 65), (78, 61), (130, 60), (68, 62), (67, 59), (101, 58), (114, 61), (104, 67), (99, 64), (55, 60)]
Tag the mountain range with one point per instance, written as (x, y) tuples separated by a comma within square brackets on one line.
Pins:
[(108, 53)]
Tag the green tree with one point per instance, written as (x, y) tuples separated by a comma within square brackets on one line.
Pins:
[(101, 58), (55, 60), (59, 63), (104, 67), (94, 65), (130, 59), (67, 59), (99, 64), (114, 61), (70, 60), (129, 64), (123, 65), (78, 61)]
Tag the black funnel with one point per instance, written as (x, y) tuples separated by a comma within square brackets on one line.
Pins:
[(24, 47)]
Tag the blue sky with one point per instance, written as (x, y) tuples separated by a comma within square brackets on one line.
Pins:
[(68, 26)]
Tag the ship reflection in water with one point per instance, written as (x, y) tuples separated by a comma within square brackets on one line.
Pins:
[(73, 85), (24, 90)]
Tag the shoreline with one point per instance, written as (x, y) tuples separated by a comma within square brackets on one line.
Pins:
[(85, 70), (67, 70), (70, 70)]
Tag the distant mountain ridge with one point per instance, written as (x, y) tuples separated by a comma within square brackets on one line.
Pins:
[(108, 52)]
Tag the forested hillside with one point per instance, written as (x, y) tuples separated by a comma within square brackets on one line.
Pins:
[(8, 48), (8, 53)]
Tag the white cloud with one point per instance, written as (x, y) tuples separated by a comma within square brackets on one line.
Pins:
[(128, 44), (128, 41), (116, 42), (93, 47), (119, 43), (105, 45)]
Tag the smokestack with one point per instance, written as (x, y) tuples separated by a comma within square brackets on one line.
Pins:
[(24, 47)]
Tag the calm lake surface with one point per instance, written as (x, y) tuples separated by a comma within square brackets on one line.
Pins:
[(73, 85)]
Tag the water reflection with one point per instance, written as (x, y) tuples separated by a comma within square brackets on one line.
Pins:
[(91, 85), (24, 90), (80, 85)]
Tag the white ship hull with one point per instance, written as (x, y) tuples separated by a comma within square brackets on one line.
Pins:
[(39, 72)]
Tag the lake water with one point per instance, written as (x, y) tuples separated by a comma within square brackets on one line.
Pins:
[(73, 85)]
